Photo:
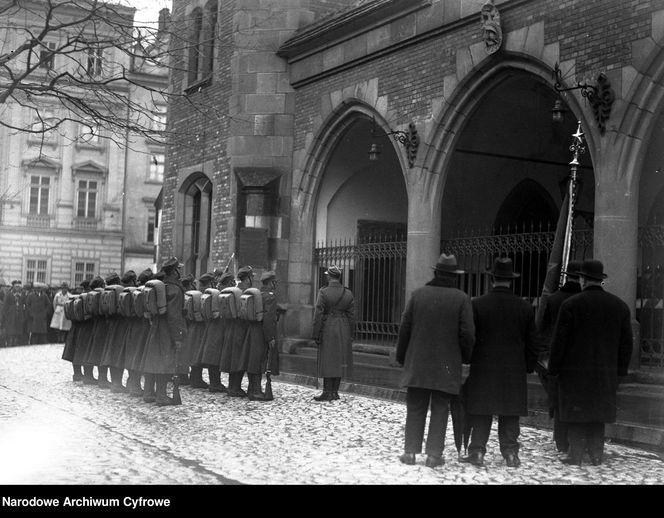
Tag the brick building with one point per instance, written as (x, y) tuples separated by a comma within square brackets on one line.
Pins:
[(77, 201), (454, 98)]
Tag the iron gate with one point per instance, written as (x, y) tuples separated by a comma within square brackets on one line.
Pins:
[(650, 297)]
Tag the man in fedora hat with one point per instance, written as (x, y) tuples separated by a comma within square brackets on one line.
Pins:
[(436, 336), (592, 345), (506, 349), (545, 320)]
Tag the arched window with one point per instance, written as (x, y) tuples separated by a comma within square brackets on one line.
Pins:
[(194, 223), (194, 44), (209, 38)]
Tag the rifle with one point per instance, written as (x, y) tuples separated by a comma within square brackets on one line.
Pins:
[(268, 372), (177, 400)]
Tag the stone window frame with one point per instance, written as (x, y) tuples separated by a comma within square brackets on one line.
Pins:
[(38, 261), (86, 261)]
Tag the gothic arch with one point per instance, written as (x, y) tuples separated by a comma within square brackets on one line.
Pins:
[(193, 222)]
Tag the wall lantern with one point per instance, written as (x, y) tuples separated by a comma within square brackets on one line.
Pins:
[(558, 112), (409, 139), (600, 96)]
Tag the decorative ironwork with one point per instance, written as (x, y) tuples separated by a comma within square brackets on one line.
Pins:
[(410, 140), (650, 297), (601, 96)]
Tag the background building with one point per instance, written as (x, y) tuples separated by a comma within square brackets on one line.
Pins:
[(78, 200), (457, 97)]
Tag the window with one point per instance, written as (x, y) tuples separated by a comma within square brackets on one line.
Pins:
[(88, 132), (95, 57), (36, 270), (87, 199), (43, 121), (156, 168), (39, 192), (158, 123), (151, 224), (195, 50), (210, 37), (47, 56), (83, 270)]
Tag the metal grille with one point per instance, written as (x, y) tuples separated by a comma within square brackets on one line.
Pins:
[(650, 297), (375, 271)]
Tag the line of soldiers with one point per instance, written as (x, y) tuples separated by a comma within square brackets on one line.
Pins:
[(175, 343)]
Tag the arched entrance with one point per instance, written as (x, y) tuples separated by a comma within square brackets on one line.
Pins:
[(506, 182), (361, 215)]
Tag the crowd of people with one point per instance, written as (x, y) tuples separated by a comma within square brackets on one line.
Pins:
[(32, 313)]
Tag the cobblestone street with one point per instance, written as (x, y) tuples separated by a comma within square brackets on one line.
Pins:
[(54, 431)]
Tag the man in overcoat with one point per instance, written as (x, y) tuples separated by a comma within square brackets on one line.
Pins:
[(193, 342), (592, 345), (545, 321), (245, 276), (333, 328), (13, 313), (435, 337), (38, 308), (166, 334), (506, 349)]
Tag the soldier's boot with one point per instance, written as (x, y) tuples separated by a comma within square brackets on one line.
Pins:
[(116, 381), (148, 389), (254, 392), (102, 381), (185, 377), (235, 384), (327, 390), (134, 384), (335, 388), (215, 380), (78, 373), (197, 378), (88, 375), (162, 398)]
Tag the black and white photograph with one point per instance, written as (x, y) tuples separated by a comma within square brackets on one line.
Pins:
[(328, 243)]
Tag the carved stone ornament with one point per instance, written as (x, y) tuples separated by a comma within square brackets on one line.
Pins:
[(492, 33)]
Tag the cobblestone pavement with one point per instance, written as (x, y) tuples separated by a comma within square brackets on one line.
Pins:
[(55, 431)]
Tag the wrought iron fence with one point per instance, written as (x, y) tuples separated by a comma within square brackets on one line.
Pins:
[(375, 270), (650, 297)]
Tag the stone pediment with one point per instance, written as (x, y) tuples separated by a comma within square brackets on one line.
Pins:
[(90, 166), (41, 163)]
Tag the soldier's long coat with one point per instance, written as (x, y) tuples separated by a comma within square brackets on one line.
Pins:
[(135, 340), (159, 356), (506, 349), (592, 345), (258, 336), (436, 336), (333, 327), (38, 307)]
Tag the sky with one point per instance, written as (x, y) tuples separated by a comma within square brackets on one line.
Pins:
[(147, 11)]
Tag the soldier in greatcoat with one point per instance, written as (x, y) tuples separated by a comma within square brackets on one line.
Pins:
[(166, 334), (592, 345), (72, 342), (333, 327), (209, 352), (232, 348), (97, 340), (260, 338), (135, 339), (506, 350), (13, 314), (194, 342), (237, 367), (83, 338), (545, 321), (436, 336)]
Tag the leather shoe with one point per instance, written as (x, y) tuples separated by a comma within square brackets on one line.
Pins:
[(407, 458), (595, 461), (476, 458), (571, 461), (434, 461), (512, 460), (237, 393)]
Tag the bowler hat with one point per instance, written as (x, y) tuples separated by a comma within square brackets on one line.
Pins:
[(268, 276), (244, 272), (447, 264), (502, 269), (573, 269), (592, 269), (333, 271), (172, 262), (16, 282)]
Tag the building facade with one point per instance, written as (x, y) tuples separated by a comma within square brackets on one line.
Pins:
[(76, 201), (454, 101)]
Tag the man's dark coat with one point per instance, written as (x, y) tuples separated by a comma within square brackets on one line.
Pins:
[(506, 349), (592, 345)]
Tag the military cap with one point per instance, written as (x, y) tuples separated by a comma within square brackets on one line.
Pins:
[(16, 282), (97, 282), (172, 262), (112, 278), (268, 276), (226, 278), (85, 283), (333, 271), (188, 278), (145, 275), (159, 275), (219, 271), (245, 272), (129, 276), (573, 269), (206, 278)]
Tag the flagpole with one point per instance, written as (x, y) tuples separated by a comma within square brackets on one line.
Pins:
[(577, 148)]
